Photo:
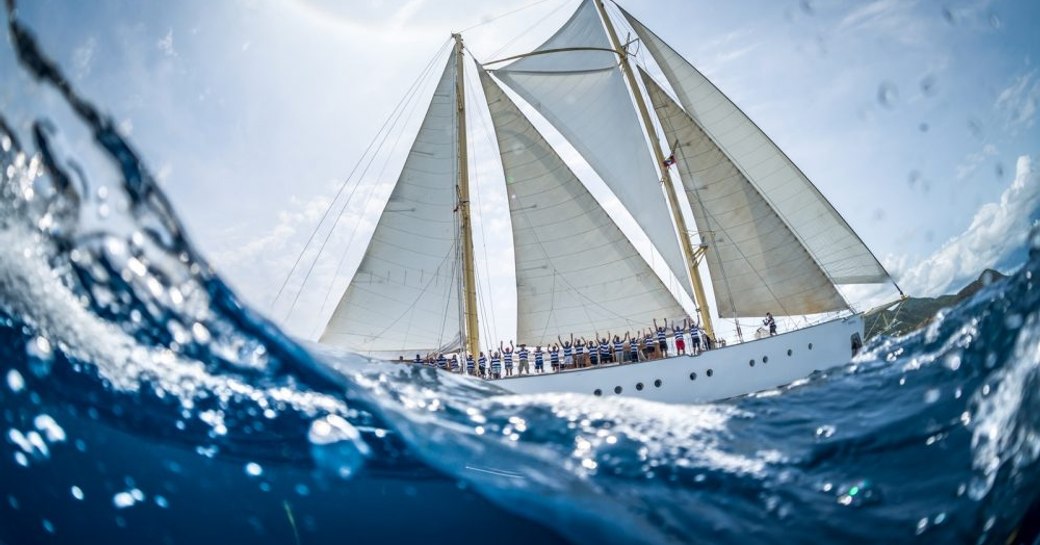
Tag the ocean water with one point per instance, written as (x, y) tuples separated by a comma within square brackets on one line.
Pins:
[(142, 402)]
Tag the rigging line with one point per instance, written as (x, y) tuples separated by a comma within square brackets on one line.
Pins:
[(388, 125), (436, 274), (353, 170), (526, 31), (410, 99), (507, 14), (411, 106), (710, 217)]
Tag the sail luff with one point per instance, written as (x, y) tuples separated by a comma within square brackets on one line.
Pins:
[(577, 273), (666, 178), (838, 250), (469, 284)]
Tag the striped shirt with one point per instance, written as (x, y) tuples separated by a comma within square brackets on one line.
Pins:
[(695, 334), (442, 362), (604, 349), (661, 335), (538, 359), (496, 364), (483, 362), (579, 349), (568, 351), (469, 363), (554, 356), (522, 353), (618, 345), (508, 357), (679, 333)]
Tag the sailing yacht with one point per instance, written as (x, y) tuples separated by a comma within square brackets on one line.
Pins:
[(765, 236)]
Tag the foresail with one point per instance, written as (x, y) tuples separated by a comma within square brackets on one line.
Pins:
[(756, 264), (824, 233), (583, 94), (404, 296), (576, 271)]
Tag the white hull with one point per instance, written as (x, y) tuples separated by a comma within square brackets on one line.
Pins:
[(717, 374)]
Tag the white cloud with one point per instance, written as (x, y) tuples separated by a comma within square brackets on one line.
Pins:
[(1018, 102), (997, 230), (973, 161), (83, 58), (166, 44)]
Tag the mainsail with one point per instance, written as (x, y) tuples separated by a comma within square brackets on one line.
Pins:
[(404, 296), (573, 80), (576, 271), (822, 231), (756, 264)]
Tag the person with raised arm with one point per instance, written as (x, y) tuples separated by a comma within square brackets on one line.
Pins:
[(619, 349), (522, 355), (662, 338), (679, 332), (539, 360), (695, 337), (554, 358), (507, 357), (568, 351)]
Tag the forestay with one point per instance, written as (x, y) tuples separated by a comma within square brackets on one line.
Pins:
[(756, 264), (582, 93), (812, 219), (404, 296), (576, 271)]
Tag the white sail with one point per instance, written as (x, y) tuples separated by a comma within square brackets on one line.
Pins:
[(824, 233), (756, 264), (404, 296), (583, 94), (576, 271)]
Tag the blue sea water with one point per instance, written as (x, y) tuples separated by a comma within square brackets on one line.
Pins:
[(142, 402)]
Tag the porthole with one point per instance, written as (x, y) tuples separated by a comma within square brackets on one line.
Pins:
[(789, 352), (765, 359), (751, 363), (693, 375), (657, 383), (810, 346), (709, 372), (598, 392), (639, 386), (617, 389)]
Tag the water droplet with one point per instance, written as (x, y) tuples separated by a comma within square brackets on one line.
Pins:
[(122, 500), (48, 526), (952, 361), (928, 85), (888, 94), (939, 519), (77, 493), (825, 431), (302, 489), (253, 469), (922, 525), (1013, 320), (931, 396), (15, 381), (162, 502), (51, 430)]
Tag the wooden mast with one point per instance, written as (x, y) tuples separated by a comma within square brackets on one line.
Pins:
[(471, 340), (692, 257)]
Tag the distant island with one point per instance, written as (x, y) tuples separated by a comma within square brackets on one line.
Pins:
[(916, 312)]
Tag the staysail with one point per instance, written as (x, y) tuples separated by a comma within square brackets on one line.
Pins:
[(582, 93), (405, 294), (576, 271), (756, 263), (822, 231)]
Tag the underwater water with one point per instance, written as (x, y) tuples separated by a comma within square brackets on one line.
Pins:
[(142, 402)]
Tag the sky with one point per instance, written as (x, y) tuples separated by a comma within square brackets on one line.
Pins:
[(916, 118)]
